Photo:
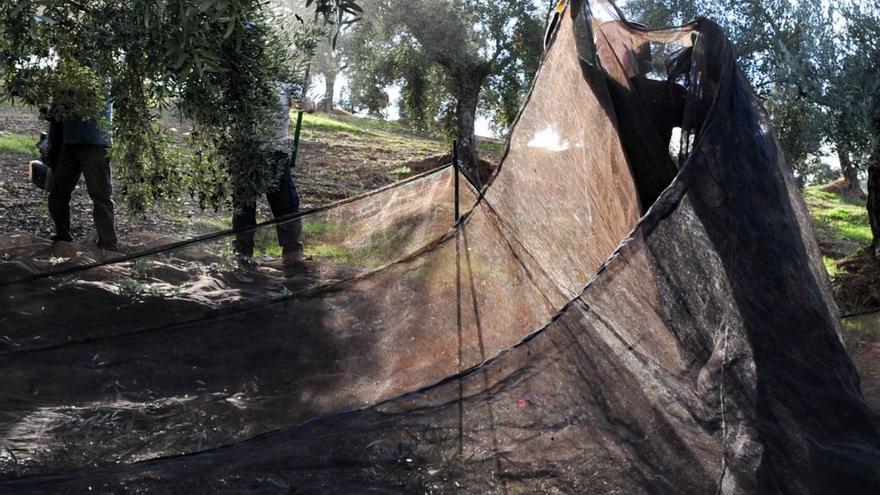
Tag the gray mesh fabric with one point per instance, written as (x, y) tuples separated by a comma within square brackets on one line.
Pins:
[(553, 341)]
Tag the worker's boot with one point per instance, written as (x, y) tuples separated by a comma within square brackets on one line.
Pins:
[(244, 261), (293, 257)]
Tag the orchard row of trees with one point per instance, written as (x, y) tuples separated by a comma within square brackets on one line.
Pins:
[(450, 58), (815, 64)]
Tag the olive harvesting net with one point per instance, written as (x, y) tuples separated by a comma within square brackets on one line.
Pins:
[(635, 303)]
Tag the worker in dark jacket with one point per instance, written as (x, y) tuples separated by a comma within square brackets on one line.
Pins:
[(83, 151)]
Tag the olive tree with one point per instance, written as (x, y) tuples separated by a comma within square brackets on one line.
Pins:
[(445, 53)]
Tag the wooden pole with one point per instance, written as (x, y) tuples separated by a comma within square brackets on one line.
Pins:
[(457, 173)]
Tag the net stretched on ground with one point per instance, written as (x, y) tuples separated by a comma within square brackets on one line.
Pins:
[(612, 314)]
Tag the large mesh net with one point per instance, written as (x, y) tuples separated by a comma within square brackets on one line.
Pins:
[(614, 313)]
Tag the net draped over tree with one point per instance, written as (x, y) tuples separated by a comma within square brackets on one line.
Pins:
[(589, 325)]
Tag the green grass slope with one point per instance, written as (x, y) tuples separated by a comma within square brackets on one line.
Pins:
[(841, 225), (18, 144)]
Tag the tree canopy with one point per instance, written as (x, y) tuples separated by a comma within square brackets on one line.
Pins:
[(445, 55)]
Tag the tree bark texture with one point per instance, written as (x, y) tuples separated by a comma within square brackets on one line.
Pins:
[(849, 171), (465, 110), (326, 104)]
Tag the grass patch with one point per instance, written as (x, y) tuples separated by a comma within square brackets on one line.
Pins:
[(16, 144), (491, 148), (266, 241), (206, 224), (830, 266), (350, 124), (366, 123), (323, 122), (342, 254), (387, 130), (401, 172), (838, 216), (337, 253), (314, 227), (272, 250)]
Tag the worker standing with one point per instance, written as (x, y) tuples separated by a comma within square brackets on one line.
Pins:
[(83, 151), (284, 199)]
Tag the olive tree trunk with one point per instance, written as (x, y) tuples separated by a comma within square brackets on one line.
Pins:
[(849, 171), (465, 113), (326, 104), (874, 200)]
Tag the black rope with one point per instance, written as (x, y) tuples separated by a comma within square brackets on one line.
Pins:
[(221, 233), (236, 309), (863, 312)]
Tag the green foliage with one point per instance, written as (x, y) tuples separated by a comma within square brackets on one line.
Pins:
[(814, 171), (401, 172), (217, 60), (491, 148), (350, 124), (337, 13), (329, 57), (830, 266), (326, 123), (367, 84), (507, 89), (233, 97), (431, 48), (852, 98), (423, 86), (840, 222), (814, 64)]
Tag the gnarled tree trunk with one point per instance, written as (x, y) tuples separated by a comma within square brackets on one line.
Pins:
[(326, 104), (465, 113), (849, 171)]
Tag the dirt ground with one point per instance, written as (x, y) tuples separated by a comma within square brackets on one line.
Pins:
[(862, 337), (858, 284)]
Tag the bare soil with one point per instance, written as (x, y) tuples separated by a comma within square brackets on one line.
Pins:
[(857, 285), (862, 338)]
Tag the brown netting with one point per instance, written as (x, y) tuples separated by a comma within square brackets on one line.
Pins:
[(552, 341)]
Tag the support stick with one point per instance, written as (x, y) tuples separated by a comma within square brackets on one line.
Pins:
[(299, 121), (299, 115), (456, 169)]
